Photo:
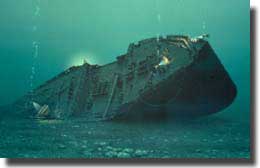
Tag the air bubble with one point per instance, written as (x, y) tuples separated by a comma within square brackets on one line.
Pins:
[(158, 52), (34, 28), (158, 20), (35, 47), (204, 25), (158, 37), (37, 11), (159, 17)]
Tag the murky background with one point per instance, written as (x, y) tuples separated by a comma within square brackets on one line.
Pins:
[(41, 38)]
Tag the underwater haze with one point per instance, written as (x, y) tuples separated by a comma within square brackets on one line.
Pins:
[(41, 38)]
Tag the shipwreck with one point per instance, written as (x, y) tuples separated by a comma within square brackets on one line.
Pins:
[(156, 78)]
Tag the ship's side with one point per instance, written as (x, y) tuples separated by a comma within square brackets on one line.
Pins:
[(199, 86), (174, 75)]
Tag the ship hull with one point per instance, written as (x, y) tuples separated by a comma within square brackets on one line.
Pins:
[(202, 88)]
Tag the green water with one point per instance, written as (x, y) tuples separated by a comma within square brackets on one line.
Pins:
[(66, 32)]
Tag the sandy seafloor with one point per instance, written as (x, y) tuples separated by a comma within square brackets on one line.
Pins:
[(210, 137)]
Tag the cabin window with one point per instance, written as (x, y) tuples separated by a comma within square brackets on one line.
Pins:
[(101, 88), (89, 104), (143, 68), (71, 90), (151, 60), (131, 66), (120, 83), (151, 57), (130, 76)]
